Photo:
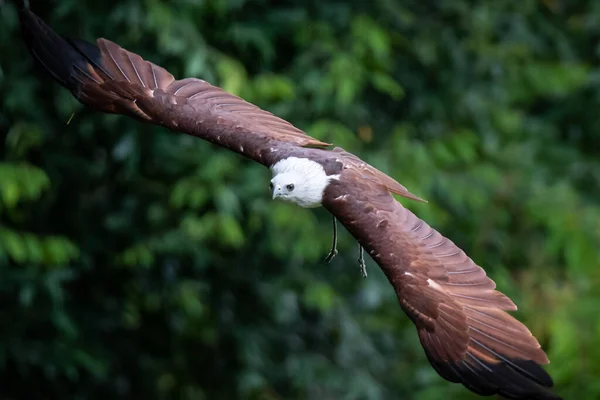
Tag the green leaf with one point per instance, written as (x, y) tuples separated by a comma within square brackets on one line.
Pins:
[(230, 230), (232, 75), (386, 84), (320, 296), (13, 245)]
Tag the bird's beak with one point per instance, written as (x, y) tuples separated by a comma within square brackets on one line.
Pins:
[(276, 192)]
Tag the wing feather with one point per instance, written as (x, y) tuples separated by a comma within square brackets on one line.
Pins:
[(460, 318), (113, 80)]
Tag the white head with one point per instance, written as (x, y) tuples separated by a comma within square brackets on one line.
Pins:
[(299, 180)]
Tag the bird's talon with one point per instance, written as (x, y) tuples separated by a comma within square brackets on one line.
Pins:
[(363, 267), (331, 255)]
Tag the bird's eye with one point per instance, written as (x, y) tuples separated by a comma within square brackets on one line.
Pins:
[(271, 186), (290, 187)]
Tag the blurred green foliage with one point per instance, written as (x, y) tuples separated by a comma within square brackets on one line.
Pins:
[(137, 263)]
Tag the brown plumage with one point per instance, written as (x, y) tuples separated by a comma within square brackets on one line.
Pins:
[(461, 319)]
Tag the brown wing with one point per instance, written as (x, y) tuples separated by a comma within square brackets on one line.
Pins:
[(113, 80), (372, 174), (461, 320)]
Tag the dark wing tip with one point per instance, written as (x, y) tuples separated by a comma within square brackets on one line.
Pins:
[(513, 379), (65, 59), (44, 44)]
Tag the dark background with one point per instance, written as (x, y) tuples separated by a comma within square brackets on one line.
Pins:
[(138, 263)]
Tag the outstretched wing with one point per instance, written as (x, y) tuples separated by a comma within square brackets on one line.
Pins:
[(461, 320), (113, 80)]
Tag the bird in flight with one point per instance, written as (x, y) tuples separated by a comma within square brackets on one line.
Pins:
[(461, 320)]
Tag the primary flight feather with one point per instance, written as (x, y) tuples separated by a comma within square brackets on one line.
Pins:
[(461, 319)]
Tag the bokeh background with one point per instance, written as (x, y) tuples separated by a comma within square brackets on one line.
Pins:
[(139, 263)]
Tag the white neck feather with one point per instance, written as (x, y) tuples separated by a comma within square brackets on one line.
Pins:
[(307, 176)]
